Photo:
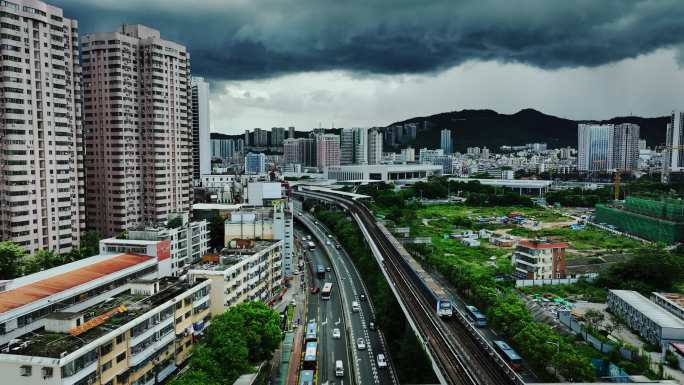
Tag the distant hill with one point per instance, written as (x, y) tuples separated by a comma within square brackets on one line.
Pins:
[(492, 129)]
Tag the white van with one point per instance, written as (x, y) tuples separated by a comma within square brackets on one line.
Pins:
[(339, 368), (355, 307)]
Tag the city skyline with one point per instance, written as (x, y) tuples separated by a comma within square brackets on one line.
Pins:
[(470, 66)]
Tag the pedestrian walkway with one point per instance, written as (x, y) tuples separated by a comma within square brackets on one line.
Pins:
[(295, 358), (286, 356)]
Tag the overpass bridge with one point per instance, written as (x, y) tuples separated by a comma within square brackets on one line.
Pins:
[(459, 354)]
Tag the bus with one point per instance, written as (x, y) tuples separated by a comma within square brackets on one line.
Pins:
[(320, 271), (327, 289), (508, 354), (311, 245), (311, 331), (310, 356), (476, 316), (306, 377)]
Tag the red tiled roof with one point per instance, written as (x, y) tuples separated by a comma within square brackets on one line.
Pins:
[(24, 295)]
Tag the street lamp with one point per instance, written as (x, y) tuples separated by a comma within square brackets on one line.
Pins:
[(557, 344)]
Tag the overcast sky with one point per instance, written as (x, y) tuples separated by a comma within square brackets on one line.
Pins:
[(367, 63)]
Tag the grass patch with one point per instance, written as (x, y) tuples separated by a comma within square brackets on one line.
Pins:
[(589, 238), (582, 290), (452, 211)]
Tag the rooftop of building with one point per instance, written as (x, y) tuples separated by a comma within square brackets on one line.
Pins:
[(138, 242), (676, 298), (216, 206), (67, 279), (542, 244), (231, 256), (655, 313), (42, 343)]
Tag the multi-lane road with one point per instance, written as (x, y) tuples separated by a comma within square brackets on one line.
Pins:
[(337, 313), (459, 355)]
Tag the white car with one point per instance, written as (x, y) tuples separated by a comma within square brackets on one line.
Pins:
[(327, 242), (361, 344), (336, 334), (382, 362)]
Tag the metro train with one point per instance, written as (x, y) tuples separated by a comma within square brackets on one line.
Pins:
[(440, 300)]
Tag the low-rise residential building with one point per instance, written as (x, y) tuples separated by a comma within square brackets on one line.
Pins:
[(106, 319), (653, 323), (187, 243), (243, 274), (263, 223), (539, 259)]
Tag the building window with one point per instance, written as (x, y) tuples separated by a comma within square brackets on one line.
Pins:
[(120, 357), (107, 365), (106, 348), (25, 370), (46, 372), (119, 338)]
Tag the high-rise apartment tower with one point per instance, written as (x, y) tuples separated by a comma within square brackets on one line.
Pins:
[(138, 136), (201, 152), (41, 135)]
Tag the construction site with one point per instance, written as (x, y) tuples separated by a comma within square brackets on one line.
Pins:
[(657, 220)]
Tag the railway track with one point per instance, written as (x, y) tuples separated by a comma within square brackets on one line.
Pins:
[(461, 357)]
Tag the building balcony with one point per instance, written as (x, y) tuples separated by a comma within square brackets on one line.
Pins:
[(153, 348)]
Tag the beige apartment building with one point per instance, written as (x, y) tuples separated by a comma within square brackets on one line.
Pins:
[(41, 157), (137, 128), (251, 273), (111, 319)]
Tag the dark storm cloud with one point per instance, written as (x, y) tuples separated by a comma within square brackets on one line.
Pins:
[(250, 39)]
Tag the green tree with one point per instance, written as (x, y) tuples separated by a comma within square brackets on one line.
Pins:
[(649, 269), (573, 366), (509, 315), (235, 342), (217, 232), (90, 244), (11, 256), (260, 329), (194, 377), (536, 342), (41, 260)]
